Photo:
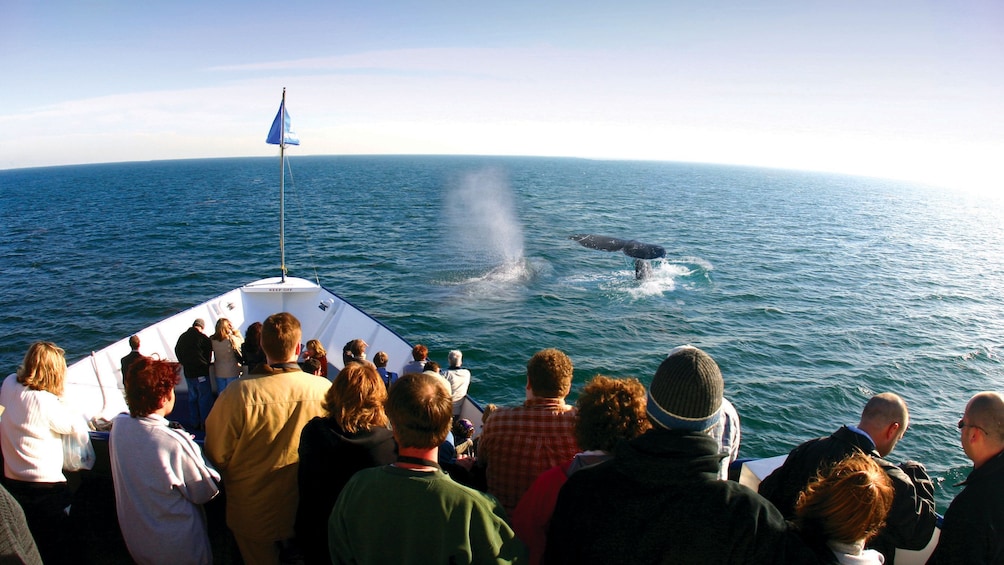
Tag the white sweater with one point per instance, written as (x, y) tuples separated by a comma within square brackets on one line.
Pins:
[(161, 479), (31, 429)]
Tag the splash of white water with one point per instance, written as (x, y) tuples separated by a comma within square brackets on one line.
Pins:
[(481, 212)]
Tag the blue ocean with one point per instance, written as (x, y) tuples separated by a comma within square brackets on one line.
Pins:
[(812, 291)]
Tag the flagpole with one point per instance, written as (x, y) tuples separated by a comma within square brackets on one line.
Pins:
[(282, 179)]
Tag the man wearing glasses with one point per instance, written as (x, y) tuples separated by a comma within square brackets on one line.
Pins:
[(973, 531)]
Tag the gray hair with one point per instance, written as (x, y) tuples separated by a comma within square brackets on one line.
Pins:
[(456, 358)]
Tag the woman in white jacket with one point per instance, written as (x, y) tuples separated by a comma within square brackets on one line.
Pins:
[(32, 425)]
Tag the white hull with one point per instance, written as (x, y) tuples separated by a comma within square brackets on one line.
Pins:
[(94, 384)]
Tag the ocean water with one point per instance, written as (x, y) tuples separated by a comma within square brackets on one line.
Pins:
[(812, 291)]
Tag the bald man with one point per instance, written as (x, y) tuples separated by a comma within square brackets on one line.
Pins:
[(973, 530), (883, 422)]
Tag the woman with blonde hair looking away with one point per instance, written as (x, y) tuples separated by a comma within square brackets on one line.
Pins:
[(316, 351), (843, 508), (354, 435), (31, 430), (227, 344)]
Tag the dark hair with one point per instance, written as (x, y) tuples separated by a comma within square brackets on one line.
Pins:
[(254, 337), (148, 383), (610, 410), (431, 366), (420, 410), (311, 366), (549, 373)]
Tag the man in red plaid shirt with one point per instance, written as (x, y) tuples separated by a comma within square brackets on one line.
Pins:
[(521, 442)]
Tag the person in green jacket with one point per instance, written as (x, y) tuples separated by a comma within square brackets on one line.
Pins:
[(411, 511)]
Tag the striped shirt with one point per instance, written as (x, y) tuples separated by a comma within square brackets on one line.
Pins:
[(521, 442)]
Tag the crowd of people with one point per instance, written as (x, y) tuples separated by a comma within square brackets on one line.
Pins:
[(375, 467)]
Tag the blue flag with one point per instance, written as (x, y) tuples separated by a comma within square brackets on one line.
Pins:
[(273, 134)]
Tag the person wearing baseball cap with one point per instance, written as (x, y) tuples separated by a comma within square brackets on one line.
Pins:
[(660, 499)]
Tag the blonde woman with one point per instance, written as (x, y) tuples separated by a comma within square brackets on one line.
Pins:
[(314, 350), (226, 345), (31, 429)]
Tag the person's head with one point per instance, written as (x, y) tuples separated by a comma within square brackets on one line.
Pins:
[(609, 410), (134, 342), (199, 323), (356, 398), (463, 429), (315, 349), (43, 368), (456, 358), (254, 335), (982, 427), (311, 366), (686, 392), (380, 359), (885, 418), (549, 374), (419, 352), (149, 385), (224, 329), (431, 367), (280, 337), (420, 410), (847, 504), (354, 350)]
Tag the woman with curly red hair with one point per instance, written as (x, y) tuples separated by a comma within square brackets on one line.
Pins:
[(608, 411), (161, 478)]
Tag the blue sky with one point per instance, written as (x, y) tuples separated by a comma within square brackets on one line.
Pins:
[(901, 89)]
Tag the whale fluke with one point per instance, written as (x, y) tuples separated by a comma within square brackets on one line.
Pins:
[(630, 247)]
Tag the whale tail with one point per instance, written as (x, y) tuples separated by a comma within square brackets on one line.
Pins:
[(630, 247)]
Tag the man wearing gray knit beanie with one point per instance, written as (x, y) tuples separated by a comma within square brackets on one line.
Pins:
[(659, 499), (672, 403)]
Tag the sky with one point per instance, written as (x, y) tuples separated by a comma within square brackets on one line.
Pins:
[(903, 89)]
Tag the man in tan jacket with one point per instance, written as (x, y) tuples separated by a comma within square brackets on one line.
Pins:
[(252, 435)]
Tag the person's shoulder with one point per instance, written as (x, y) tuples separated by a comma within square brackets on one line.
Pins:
[(358, 489), (10, 382), (316, 425), (120, 423), (463, 492), (586, 477), (316, 383)]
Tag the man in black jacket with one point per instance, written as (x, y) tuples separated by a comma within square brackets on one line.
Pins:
[(973, 531), (195, 351), (132, 356), (659, 500), (884, 420)]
